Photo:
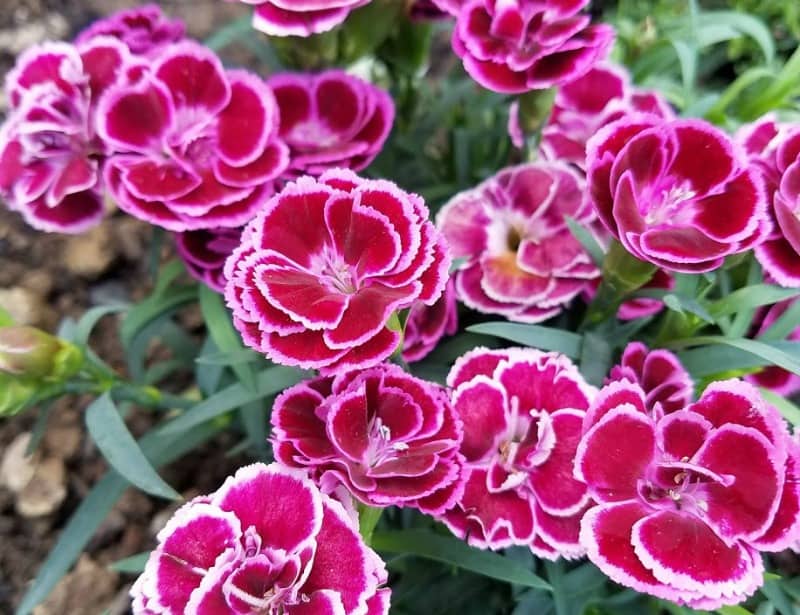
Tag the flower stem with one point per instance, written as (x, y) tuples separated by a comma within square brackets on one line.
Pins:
[(368, 517)]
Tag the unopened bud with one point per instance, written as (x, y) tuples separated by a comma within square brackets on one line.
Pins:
[(28, 353)]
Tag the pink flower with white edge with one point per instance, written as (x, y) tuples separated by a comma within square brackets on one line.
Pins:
[(237, 552), (50, 156), (522, 261), (513, 46), (686, 501), (426, 325), (195, 146), (325, 266), (522, 411), (774, 378), (389, 438), (331, 120), (144, 29), (300, 17), (659, 373), (601, 96), (774, 149), (205, 251), (678, 194)]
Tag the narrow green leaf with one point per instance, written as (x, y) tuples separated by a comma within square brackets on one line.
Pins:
[(112, 437), (733, 610), (595, 358), (750, 297), (746, 24), (220, 327), (131, 565), (96, 505), (587, 240), (152, 308), (208, 375), (677, 302), (255, 422), (45, 410), (536, 336), (85, 326), (785, 355), (267, 382), (778, 598), (789, 411), (235, 357), (784, 325), (450, 550)]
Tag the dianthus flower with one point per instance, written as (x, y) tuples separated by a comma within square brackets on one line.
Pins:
[(325, 266), (300, 17), (426, 325), (678, 194), (601, 96), (331, 119), (144, 29), (772, 377), (775, 151), (205, 251), (687, 500), (388, 437), (195, 146), (659, 373), (426, 10), (50, 156), (514, 46), (522, 260), (266, 542), (522, 412)]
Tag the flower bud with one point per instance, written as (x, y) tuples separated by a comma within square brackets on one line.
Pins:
[(28, 353)]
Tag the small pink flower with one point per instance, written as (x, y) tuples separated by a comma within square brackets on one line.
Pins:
[(522, 412), (775, 151), (514, 46), (601, 96), (522, 260), (300, 17), (331, 120), (144, 29), (687, 500), (237, 552), (325, 266), (427, 325), (50, 156), (678, 194), (205, 251), (772, 377), (195, 146), (659, 373), (388, 437)]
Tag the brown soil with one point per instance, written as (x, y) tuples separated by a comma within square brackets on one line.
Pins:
[(45, 278)]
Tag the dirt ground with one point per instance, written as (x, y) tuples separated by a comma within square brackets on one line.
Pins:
[(44, 278)]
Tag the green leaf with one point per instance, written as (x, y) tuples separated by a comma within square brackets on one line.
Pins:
[(208, 375), (112, 437), (587, 240), (83, 328), (784, 325), (778, 598), (245, 355), (733, 610), (743, 23), (785, 355), (267, 382), (789, 411), (536, 336), (96, 505), (677, 302), (595, 358), (131, 565), (226, 338), (750, 297), (450, 550)]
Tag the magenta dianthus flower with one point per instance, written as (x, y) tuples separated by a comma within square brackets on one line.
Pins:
[(300, 17), (205, 251), (330, 120), (237, 552), (426, 325), (326, 265), (144, 29), (687, 500), (679, 194), (522, 411), (522, 260), (194, 146), (389, 438)]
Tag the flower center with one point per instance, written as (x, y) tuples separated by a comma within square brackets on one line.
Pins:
[(380, 448), (671, 206)]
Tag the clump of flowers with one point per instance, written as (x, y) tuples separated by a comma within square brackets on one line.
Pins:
[(145, 30), (331, 120), (237, 551), (205, 251), (583, 106), (300, 17), (426, 325), (668, 204), (522, 412), (686, 500), (774, 149), (389, 438), (323, 269), (50, 155), (522, 261), (520, 45), (195, 146)]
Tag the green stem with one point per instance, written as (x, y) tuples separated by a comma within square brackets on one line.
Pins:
[(368, 517)]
